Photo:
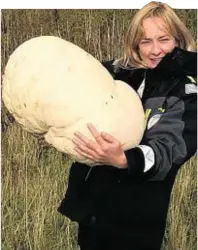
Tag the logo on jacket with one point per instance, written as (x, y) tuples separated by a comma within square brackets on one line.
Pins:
[(150, 122), (190, 88)]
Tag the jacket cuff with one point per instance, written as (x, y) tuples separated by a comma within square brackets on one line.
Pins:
[(135, 161)]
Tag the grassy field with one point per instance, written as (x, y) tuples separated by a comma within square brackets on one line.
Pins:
[(34, 176)]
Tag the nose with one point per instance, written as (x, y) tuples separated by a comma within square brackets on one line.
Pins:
[(156, 49)]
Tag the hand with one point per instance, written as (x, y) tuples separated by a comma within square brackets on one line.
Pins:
[(106, 149)]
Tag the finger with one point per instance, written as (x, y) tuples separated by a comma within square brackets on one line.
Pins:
[(95, 133), (82, 153), (84, 140), (107, 137), (84, 143), (77, 141), (96, 152), (86, 150)]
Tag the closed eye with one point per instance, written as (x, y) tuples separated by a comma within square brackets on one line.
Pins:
[(165, 39), (144, 42)]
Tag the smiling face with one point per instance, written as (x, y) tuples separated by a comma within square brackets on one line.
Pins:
[(156, 43)]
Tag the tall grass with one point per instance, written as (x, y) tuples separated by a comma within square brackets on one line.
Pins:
[(33, 184), (34, 177)]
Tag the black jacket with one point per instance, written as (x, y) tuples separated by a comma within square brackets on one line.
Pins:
[(138, 197)]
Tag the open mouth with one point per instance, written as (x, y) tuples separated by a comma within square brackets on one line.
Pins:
[(156, 59)]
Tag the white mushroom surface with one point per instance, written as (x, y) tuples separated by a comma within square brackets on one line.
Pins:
[(53, 87)]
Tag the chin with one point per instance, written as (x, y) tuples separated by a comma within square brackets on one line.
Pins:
[(153, 65)]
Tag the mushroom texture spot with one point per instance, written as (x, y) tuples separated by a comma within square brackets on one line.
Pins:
[(54, 88)]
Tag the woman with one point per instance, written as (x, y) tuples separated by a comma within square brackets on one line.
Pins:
[(123, 203)]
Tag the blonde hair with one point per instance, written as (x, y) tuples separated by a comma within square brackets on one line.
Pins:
[(174, 26)]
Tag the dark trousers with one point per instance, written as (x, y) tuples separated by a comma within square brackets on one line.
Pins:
[(126, 215), (92, 238)]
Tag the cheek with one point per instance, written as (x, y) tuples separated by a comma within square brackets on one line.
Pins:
[(169, 47), (144, 52)]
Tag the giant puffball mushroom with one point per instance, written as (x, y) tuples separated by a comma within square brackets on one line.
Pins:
[(54, 88)]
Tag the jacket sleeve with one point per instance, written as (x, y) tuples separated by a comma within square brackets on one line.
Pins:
[(170, 138)]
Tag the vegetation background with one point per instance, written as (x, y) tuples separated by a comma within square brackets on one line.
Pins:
[(34, 177)]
